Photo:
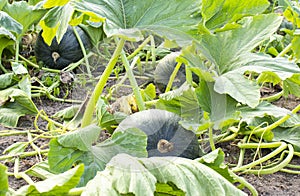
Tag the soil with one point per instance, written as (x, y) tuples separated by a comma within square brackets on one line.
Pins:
[(276, 184)]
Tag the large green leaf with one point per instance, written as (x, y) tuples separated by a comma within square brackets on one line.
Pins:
[(182, 101), (282, 67), (171, 19), (3, 180), (25, 14), (15, 103), (239, 88), (56, 185), (215, 160), (9, 23), (194, 62), (226, 49), (221, 107), (218, 13), (291, 85), (248, 115), (125, 174), (81, 147), (291, 136)]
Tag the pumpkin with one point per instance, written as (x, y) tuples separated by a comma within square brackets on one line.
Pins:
[(164, 70), (59, 56), (166, 137)]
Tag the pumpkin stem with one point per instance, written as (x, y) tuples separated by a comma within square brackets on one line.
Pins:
[(164, 146), (55, 56)]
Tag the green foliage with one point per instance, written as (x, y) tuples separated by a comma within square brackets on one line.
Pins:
[(221, 14), (81, 146), (226, 43), (58, 184), (14, 104), (25, 14), (3, 180), (125, 174)]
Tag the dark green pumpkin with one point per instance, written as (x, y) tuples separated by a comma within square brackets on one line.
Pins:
[(59, 56), (166, 137)]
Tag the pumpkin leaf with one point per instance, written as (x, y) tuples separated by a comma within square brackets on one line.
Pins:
[(16, 148), (2, 3), (215, 160), (53, 3), (125, 174), (3, 180), (291, 86), (40, 170), (128, 18), (6, 39), (81, 147), (239, 88), (295, 45), (58, 184), (168, 189), (105, 118), (10, 24), (218, 13), (227, 49), (67, 113), (149, 93), (15, 103), (291, 135), (194, 63), (55, 23), (18, 68), (25, 14), (182, 101), (267, 109), (281, 67), (6, 80), (221, 107)]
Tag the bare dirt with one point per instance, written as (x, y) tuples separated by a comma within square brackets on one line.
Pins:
[(277, 184)]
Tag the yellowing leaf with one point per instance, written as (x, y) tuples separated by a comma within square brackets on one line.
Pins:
[(48, 33), (53, 3), (76, 20), (94, 17), (295, 46)]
